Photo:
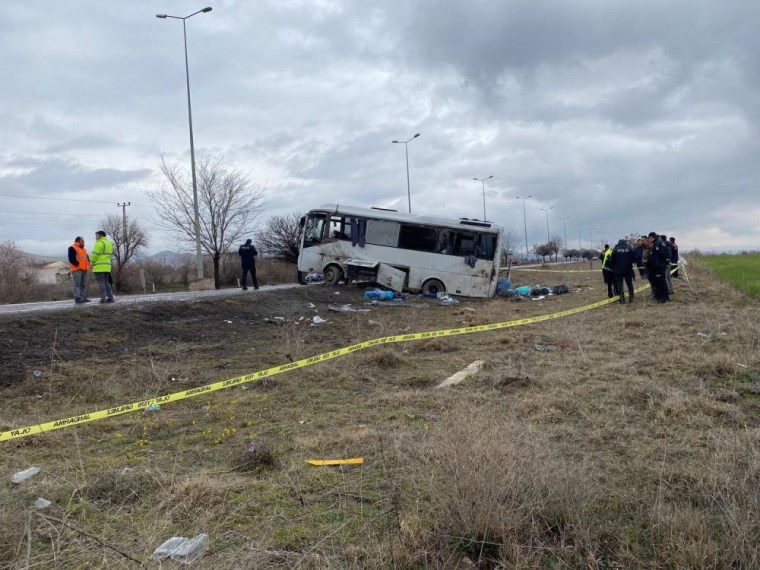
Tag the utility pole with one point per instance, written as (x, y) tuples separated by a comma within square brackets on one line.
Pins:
[(123, 207)]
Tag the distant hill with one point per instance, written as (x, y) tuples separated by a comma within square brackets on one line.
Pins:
[(36, 259), (168, 257)]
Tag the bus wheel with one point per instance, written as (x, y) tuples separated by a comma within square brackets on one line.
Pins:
[(433, 287), (333, 274)]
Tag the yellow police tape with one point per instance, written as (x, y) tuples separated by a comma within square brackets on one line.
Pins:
[(193, 392), (351, 461)]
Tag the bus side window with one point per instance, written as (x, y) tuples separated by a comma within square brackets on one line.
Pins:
[(486, 246), (465, 243), (444, 244)]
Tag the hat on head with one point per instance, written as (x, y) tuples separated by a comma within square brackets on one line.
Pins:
[(247, 242)]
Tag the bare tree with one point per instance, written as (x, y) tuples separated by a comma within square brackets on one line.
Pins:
[(543, 249), (509, 242), (227, 206), (18, 280), (125, 244), (555, 245), (281, 238)]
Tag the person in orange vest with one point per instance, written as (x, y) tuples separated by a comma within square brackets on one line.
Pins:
[(79, 264)]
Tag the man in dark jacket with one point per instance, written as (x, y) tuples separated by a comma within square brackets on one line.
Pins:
[(668, 280), (657, 265), (638, 255), (248, 255), (674, 257), (621, 263)]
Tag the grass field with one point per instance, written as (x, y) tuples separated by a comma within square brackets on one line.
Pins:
[(623, 437), (743, 271)]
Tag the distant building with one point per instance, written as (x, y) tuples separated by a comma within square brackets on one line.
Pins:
[(52, 273)]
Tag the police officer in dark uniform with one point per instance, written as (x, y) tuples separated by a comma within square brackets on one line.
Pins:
[(621, 263), (657, 265), (248, 255)]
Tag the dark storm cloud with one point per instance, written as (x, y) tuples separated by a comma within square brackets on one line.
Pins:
[(46, 176), (85, 141)]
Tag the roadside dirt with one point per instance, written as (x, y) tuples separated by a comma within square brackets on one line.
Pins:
[(280, 323), (115, 332)]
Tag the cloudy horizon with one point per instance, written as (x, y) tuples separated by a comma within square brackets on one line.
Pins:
[(623, 117)]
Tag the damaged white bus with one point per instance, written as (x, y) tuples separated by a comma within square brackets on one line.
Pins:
[(420, 253)]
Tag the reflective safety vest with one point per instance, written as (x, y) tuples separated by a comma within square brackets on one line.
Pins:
[(102, 252), (606, 258), (83, 262)]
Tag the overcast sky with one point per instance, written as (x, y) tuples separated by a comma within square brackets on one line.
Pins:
[(624, 116)]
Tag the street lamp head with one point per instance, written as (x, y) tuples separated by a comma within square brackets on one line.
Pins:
[(162, 16), (394, 142), (489, 178), (478, 179), (207, 9), (415, 136)]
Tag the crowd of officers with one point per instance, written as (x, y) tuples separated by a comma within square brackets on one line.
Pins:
[(656, 258)]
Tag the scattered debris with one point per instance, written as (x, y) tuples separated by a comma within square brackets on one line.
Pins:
[(447, 300), (545, 347), (708, 336), (560, 289), (153, 408), (317, 320), (41, 503), (379, 294), (312, 306), (351, 461), (275, 320), (462, 375), (25, 474), (538, 298), (229, 322), (37, 374), (315, 278), (371, 322), (181, 549), (346, 309)]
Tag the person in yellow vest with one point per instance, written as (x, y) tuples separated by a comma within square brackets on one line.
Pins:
[(79, 264), (607, 274), (102, 252)]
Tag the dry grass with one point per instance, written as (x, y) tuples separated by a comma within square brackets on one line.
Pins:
[(633, 443)]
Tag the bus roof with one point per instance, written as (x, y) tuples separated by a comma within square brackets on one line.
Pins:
[(384, 214)]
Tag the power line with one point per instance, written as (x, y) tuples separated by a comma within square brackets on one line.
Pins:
[(49, 213), (60, 199)]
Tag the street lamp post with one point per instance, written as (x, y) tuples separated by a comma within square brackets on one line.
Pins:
[(546, 210), (196, 221), (483, 180), (564, 227), (406, 148), (580, 245), (525, 223)]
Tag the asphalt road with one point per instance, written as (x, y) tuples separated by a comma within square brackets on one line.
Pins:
[(69, 305)]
